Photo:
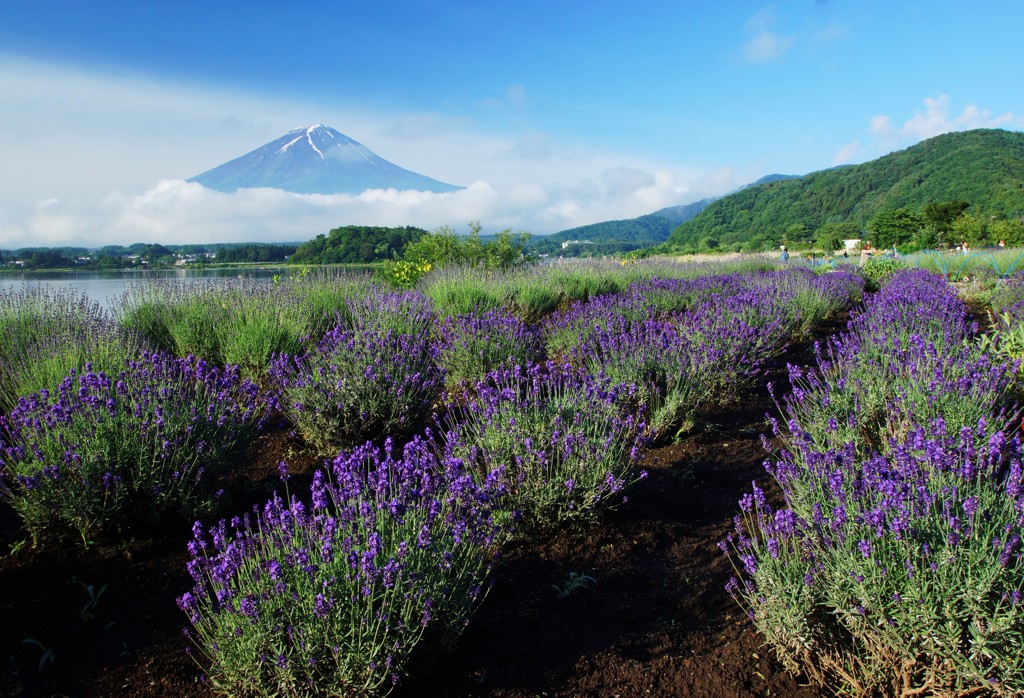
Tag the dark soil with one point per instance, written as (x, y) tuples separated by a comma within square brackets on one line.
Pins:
[(651, 619)]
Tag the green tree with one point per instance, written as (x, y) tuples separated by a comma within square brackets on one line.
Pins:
[(970, 229), (798, 232), (443, 247), (508, 250), (830, 236), (1009, 230), (940, 216), (895, 227)]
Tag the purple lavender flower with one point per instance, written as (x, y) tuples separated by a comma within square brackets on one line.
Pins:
[(373, 593)]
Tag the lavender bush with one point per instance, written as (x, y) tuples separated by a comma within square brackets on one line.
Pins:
[(670, 296), (906, 359), (894, 565), (471, 346), (562, 441), (565, 331), (893, 575), (358, 385), (48, 333), (701, 358), (808, 298), (331, 598), (103, 452), (381, 310)]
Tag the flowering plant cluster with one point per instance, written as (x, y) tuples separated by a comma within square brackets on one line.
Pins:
[(473, 345), (331, 598), (404, 274), (1008, 297), (102, 452), (689, 361), (358, 385), (48, 333), (894, 566), (906, 359), (379, 309), (561, 441)]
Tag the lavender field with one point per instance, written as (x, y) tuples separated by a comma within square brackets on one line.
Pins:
[(328, 486)]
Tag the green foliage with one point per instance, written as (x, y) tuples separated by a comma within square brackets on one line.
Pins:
[(941, 214), (462, 290), (895, 227), (981, 166), (444, 247), (255, 253), (357, 244), (47, 334), (830, 236), (239, 322)]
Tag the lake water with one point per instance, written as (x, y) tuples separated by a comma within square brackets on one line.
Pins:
[(106, 286)]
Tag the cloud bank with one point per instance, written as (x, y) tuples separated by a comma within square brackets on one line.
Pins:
[(176, 211)]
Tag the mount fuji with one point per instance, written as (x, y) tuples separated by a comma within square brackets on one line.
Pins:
[(315, 160)]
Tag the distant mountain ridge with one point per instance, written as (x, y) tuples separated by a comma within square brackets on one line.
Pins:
[(984, 167), (631, 233), (315, 160)]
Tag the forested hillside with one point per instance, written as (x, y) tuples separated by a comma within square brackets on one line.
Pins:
[(984, 168)]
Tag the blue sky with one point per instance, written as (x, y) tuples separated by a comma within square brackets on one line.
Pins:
[(553, 114)]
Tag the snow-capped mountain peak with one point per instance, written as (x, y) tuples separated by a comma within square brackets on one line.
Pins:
[(315, 160)]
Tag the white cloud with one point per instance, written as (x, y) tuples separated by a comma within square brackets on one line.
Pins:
[(513, 99), (765, 45), (104, 156), (935, 119), (846, 153)]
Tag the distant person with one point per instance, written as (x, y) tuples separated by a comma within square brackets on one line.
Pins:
[(895, 252), (964, 248), (865, 253), (1002, 244), (783, 254)]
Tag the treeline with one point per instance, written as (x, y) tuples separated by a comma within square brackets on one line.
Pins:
[(144, 254), (357, 244), (255, 253)]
